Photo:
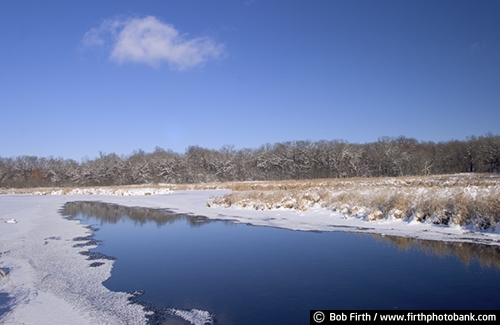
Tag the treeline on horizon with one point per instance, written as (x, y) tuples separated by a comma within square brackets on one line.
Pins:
[(387, 157)]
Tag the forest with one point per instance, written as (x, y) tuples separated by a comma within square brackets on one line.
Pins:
[(293, 160)]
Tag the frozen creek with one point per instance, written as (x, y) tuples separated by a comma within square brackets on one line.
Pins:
[(49, 282)]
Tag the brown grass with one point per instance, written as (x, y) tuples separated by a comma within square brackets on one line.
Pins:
[(447, 199)]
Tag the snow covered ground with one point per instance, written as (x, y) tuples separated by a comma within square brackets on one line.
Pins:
[(101, 191), (49, 282)]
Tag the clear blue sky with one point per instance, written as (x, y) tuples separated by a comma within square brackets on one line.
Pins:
[(80, 77)]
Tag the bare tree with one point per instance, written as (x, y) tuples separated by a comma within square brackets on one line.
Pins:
[(286, 160)]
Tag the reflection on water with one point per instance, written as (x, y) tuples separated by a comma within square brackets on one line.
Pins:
[(487, 256), (113, 213), (250, 275)]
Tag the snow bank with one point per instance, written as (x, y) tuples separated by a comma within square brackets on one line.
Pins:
[(107, 191), (49, 281), (433, 203)]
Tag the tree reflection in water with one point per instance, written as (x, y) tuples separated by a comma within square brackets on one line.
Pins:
[(113, 213), (487, 256)]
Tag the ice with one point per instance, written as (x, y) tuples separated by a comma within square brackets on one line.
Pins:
[(194, 316), (51, 283)]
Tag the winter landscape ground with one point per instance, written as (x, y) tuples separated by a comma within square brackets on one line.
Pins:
[(468, 200), (45, 277)]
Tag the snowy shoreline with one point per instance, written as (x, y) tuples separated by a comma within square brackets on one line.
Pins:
[(49, 282)]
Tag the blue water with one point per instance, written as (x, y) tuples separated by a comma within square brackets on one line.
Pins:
[(259, 275)]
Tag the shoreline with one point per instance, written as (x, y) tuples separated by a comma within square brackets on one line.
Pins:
[(52, 282)]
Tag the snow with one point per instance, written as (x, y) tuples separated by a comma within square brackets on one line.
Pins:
[(194, 316), (107, 191), (50, 282)]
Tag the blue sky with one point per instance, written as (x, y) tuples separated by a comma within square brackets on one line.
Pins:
[(82, 77)]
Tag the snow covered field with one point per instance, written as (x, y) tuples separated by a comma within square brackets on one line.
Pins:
[(49, 282)]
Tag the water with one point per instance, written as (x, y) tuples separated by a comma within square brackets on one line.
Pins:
[(260, 275), (4, 304)]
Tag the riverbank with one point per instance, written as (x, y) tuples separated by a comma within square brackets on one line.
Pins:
[(50, 282)]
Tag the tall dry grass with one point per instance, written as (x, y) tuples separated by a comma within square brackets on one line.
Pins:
[(446, 199)]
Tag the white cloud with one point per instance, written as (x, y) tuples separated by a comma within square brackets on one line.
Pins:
[(148, 40)]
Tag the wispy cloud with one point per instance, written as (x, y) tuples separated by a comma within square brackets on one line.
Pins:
[(148, 40)]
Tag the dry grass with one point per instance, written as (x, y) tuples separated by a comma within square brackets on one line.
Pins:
[(448, 199), (113, 189)]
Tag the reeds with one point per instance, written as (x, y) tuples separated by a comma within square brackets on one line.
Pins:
[(450, 199)]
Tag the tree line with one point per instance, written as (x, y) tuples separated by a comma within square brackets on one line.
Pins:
[(388, 156)]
